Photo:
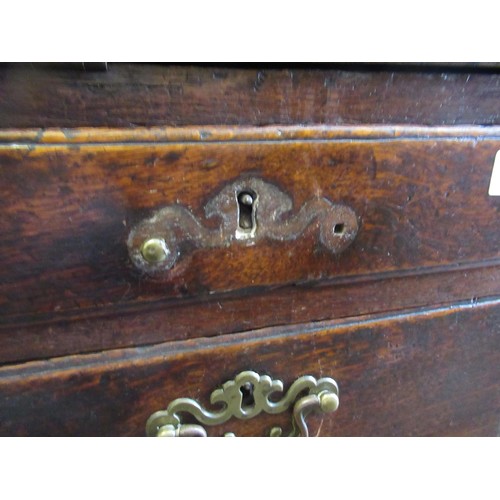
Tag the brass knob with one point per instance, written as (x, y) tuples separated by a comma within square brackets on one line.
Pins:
[(154, 250), (328, 402)]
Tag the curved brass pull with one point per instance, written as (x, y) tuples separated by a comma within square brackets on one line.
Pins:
[(245, 397), (249, 210)]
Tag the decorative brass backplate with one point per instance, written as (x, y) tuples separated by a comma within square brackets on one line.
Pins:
[(250, 210), (246, 397)]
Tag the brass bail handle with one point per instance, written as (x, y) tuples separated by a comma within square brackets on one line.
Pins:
[(245, 397)]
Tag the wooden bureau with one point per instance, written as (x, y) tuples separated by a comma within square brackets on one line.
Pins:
[(166, 228)]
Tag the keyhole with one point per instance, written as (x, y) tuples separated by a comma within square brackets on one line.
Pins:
[(246, 211), (247, 393)]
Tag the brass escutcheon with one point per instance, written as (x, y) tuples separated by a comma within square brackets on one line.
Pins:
[(315, 395), (249, 210)]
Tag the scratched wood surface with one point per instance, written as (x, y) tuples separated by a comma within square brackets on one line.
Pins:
[(68, 208), (68, 211), (397, 144), (133, 325), (429, 372), (131, 95)]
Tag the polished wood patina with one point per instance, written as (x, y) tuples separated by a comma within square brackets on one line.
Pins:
[(405, 318)]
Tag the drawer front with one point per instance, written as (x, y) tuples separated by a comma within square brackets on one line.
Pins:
[(160, 95), (431, 372), (416, 198), (423, 230)]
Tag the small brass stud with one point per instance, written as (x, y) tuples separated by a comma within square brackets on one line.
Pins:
[(166, 431), (328, 402), (154, 250)]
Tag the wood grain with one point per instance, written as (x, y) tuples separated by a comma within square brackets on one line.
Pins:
[(68, 210), (407, 320), (429, 372), (133, 324), (131, 95)]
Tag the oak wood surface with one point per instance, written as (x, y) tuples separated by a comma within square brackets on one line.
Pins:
[(130, 95), (68, 210), (398, 145), (427, 372), (131, 324)]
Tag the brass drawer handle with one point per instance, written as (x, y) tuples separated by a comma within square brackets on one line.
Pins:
[(246, 397), (249, 210)]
